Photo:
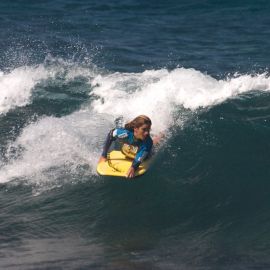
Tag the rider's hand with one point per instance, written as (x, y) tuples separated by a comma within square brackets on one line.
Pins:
[(130, 173), (102, 159)]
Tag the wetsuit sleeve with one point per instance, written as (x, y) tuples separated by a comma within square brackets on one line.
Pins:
[(142, 154), (108, 142), (112, 136)]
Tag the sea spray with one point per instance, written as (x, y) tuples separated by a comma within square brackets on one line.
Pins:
[(160, 93), (54, 144), (17, 85)]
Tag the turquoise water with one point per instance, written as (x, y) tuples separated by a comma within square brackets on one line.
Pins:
[(199, 69)]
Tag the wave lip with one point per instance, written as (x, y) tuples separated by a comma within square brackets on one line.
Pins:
[(160, 93), (53, 147), (16, 86)]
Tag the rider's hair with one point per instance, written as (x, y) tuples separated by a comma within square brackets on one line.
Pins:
[(138, 122)]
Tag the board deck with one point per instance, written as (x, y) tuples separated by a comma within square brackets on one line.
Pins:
[(118, 164)]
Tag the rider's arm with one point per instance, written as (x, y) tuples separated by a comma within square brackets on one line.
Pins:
[(112, 136), (142, 154)]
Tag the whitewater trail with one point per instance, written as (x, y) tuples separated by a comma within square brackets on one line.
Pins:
[(51, 145)]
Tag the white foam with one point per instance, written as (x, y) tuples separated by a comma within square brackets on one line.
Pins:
[(54, 148), (160, 93), (16, 86)]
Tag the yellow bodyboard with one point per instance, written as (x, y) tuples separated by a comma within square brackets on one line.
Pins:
[(118, 164)]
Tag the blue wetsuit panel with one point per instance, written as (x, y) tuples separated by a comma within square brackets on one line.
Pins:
[(127, 136)]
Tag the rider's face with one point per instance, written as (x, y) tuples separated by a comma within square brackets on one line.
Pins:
[(142, 132)]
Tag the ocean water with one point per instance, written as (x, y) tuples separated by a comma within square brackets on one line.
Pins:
[(199, 69)]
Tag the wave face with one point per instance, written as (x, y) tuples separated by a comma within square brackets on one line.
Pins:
[(170, 98), (69, 70)]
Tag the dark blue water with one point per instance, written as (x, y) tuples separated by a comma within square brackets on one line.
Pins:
[(199, 69)]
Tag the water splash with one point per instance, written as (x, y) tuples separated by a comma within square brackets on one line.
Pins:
[(56, 148)]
